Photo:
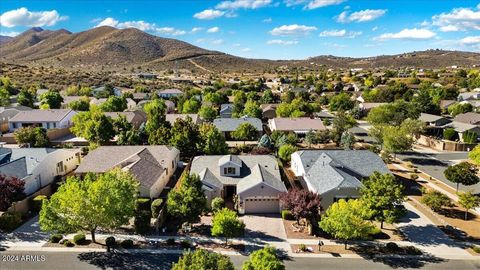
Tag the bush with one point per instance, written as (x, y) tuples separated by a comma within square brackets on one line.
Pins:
[(79, 239), (55, 238), (127, 243), (375, 231), (68, 243), (476, 249), (436, 200), (9, 221), (414, 176), (411, 250), (287, 215), (449, 134), (217, 204), (110, 241), (185, 244), (142, 222), (302, 247), (37, 202), (285, 151), (170, 241), (391, 246), (143, 204), (423, 190), (156, 207)]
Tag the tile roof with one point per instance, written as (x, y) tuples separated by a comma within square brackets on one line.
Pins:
[(39, 116)]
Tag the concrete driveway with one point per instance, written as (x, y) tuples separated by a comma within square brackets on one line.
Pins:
[(265, 227)]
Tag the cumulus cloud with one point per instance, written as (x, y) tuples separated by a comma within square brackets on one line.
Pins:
[(141, 25), (196, 30), (209, 14), (339, 33), (213, 30), (24, 17), (245, 4), (472, 40), (292, 30), (459, 19), (409, 34), (282, 42), (9, 34), (313, 4), (361, 16)]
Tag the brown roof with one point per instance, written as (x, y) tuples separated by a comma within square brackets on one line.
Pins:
[(468, 118), (172, 117), (136, 117), (39, 116), (301, 124)]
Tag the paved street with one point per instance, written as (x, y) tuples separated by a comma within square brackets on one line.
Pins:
[(91, 261), (435, 164)]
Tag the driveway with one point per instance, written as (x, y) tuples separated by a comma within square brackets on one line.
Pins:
[(266, 227), (27, 235)]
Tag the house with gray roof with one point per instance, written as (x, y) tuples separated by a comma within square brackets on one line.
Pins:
[(226, 110), (169, 93), (152, 165), (6, 113), (172, 117), (433, 120), (229, 125), (471, 118), (299, 125), (38, 167), (47, 119), (254, 179), (335, 174)]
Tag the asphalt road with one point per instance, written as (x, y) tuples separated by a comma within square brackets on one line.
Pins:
[(143, 261), (436, 164)]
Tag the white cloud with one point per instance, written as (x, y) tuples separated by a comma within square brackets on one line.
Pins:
[(459, 19), (361, 16), (170, 31), (217, 41), (472, 40), (10, 34), (313, 4), (141, 25), (24, 17), (339, 33), (108, 22), (245, 49), (409, 34), (213, 30), (267, 20), (209, 14), (375, 28), (282, 42), (292, 30), (245, 4), (196, 30)]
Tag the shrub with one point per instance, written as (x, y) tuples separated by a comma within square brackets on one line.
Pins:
[(127, 243), (449, 134), (411, 250), (9, 221), (302, 247), (68, 243), (142, 221), (156, 207), (287, 215), (217, 204), (285, 151), (476, 249), (143, 204), (391, 246), (55, 238), (423, 190), (414, 176), (37, 202), (185, 244), (110, 241), (79, 239), (469, 137), (170, 241), (436, 200), (375, 231)]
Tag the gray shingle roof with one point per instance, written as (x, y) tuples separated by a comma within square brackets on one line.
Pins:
[(231, 124), (33, 116), (230, 158), (429, 118), (16, 168), (20, 162), (472, 118), (260, 175)]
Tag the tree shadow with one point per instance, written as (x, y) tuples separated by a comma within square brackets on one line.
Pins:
[(403, 261), (127, 261), (429, 235)]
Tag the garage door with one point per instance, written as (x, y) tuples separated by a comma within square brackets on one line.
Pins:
[(261, 206)]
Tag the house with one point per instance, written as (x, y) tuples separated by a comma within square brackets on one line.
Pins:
[(152, 166), (335, 174), (6, 113), (226, 110), (471, 118), (131, 104), (137, 97), (254, 179), (269, 111), (48, 119), (136, 118), (228, 125), (468, 96), (433, 120), (69, 99), (366, 107), (169, 93), (361, 135), (324, 115), (172, 117), (99, 90), (38, 167), (445, 103), (300, 125), (463, 128)]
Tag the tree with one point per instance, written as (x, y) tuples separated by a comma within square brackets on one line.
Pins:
[(341, 102), (252, 109), (188, 202), (393, 113), (459, 108), (51, 100), (263, 259), (474, 155), (345, 220), (265, 141), (425, 103), (226, 223), (203, 259), (468, 200), (463, 173), (114, 104), (347, 140), (11, 190), (33, 136), (383, 197), (208, 113), (212, 140), (245, 132), (285, 152), (310, 138), (98, 201), (301, 203), (82, 105), (436, 200), (267, 97), (157, 127), (126, 133), (191, 105), (341, 124), (4, 97), (217, 204), (323, 136), (26, 97), (93, 125), (185, 137)]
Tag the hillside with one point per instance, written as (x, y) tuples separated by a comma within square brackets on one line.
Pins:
[(108, 48)]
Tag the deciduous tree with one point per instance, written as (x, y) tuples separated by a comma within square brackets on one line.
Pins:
[(212, 140), (51, 100), (203, 259), (468, 200), (11, 190), (463, 173), (264, 259), (188, 202), (301, 203), (226, 223)]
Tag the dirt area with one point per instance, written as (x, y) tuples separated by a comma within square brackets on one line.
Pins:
[(294, 233), (356, 249), (327, 249), (450, 218), (473, 252)]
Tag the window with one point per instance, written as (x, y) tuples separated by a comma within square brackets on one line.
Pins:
[(60, 167), (229, 170)]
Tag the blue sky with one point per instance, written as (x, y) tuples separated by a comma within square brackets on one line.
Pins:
[(273, 29)]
